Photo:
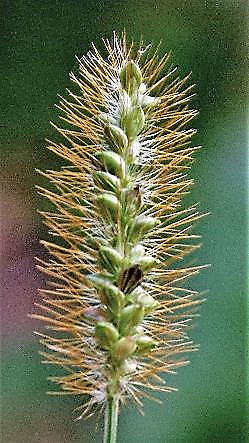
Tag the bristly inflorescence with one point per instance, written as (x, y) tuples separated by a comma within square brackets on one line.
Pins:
[(116, 304)]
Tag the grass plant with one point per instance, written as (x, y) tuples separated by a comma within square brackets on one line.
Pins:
[(116, 306)]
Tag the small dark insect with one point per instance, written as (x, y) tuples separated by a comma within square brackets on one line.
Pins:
[(130, 278)]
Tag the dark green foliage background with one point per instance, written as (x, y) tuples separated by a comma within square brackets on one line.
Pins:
[(39, 40)]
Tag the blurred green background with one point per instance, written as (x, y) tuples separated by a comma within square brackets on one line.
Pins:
[(39, 40)]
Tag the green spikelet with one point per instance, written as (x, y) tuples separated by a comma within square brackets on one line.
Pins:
[(117, 310)]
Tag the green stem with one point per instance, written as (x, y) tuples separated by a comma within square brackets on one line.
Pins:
[(111, 419)]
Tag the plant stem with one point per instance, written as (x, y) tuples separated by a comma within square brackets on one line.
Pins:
[(111, 419)]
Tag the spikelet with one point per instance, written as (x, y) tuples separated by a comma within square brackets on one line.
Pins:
[(116, 305)]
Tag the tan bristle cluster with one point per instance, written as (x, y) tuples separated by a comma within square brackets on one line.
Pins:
[(116, 304)]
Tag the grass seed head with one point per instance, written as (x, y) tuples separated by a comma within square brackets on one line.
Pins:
[(116, 308)]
